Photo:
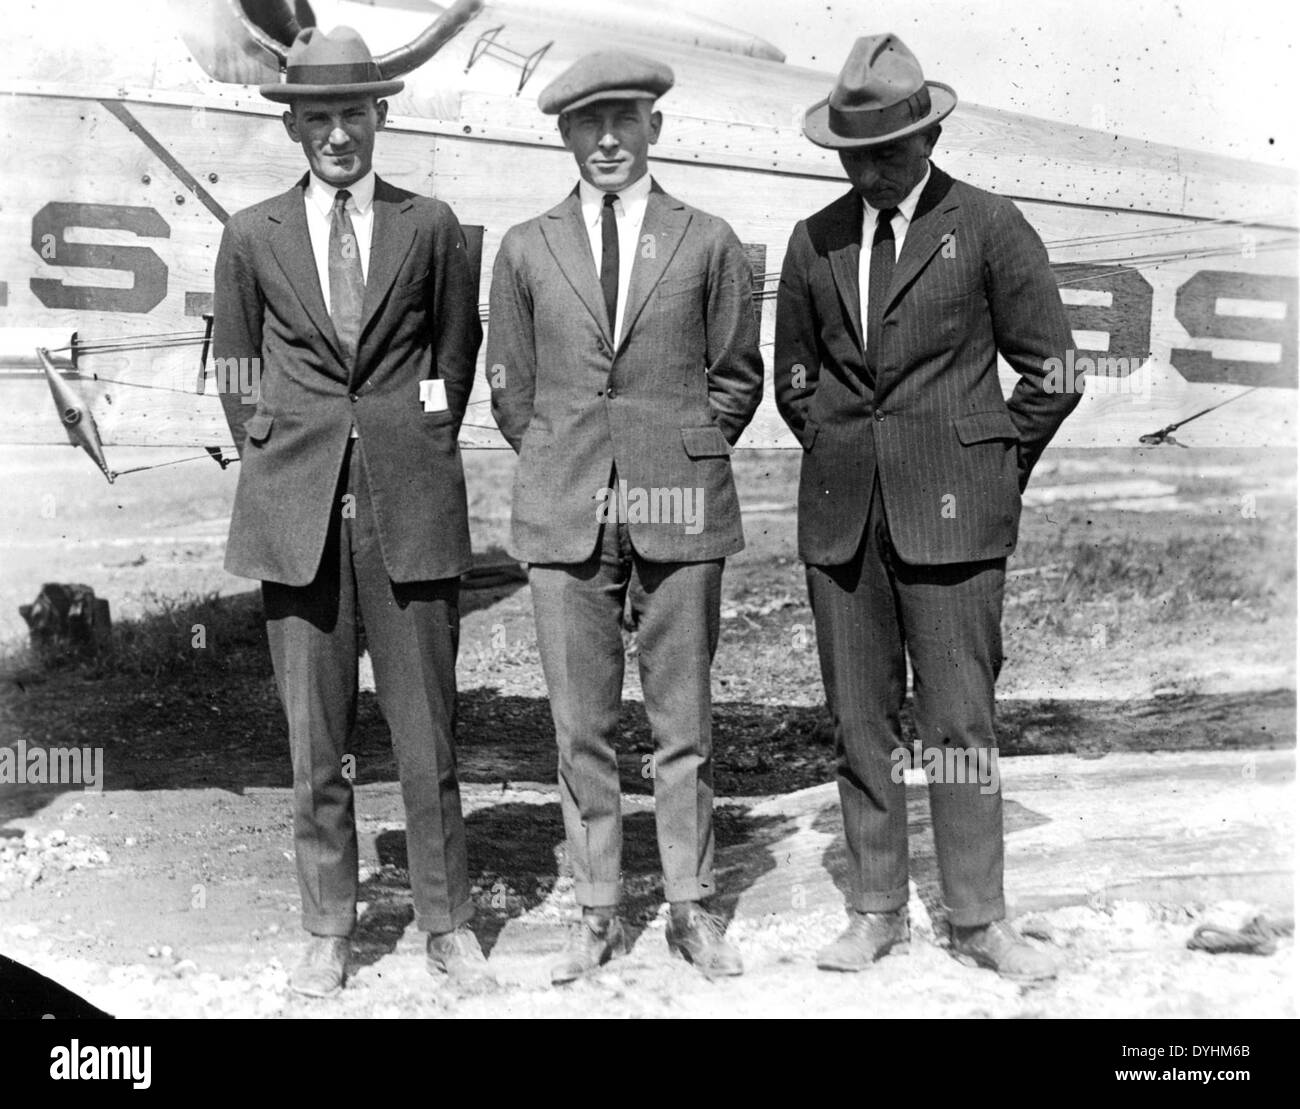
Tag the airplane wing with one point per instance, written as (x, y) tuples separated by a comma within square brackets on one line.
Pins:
[(1178, 269)]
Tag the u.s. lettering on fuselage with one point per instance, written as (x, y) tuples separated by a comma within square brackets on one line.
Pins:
[(1265, 311)]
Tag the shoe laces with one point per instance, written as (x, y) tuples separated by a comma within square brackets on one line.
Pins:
[(590, 926), (320, 953), (996, 932), (710, 924), (460, 941)]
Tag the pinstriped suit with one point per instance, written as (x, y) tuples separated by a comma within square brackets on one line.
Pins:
[(909, 503)]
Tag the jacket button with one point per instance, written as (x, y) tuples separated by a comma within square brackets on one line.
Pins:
[(352, 397), (879, 414), (609, 393)]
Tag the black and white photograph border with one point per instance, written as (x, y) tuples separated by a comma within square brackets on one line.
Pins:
[(1146, 714)]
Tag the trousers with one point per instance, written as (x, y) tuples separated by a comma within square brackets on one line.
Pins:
[(872, 614), (412, 632)]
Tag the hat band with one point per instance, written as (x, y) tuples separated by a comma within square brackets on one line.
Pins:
[(349, 73), (870, 123)]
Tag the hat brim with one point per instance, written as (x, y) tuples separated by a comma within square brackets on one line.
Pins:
[(285, 93), (606, 94), (817, 127)]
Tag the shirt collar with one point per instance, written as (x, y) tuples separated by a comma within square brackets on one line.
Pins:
[(322, 195), (906, 206), (593, 199)]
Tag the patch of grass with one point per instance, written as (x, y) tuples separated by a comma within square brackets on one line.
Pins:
[(191, 635), (178, 638), (1165, 578)]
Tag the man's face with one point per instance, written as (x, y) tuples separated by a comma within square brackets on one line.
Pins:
[(611, 140), (883, 175), (337, 135)]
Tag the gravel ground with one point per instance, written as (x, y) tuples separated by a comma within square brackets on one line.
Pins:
[(1118, 958)]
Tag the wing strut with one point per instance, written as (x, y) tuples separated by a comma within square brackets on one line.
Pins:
[(1165, 434), (77, 419)]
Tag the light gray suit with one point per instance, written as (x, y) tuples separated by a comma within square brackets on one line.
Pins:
[(660, 408)]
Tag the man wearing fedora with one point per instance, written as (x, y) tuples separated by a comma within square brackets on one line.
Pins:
[(895, 302), (623, 359), (355, 304)]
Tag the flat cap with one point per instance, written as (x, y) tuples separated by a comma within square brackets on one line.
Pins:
[(606, 75)]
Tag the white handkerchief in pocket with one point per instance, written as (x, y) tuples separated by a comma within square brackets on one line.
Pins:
[(433, 395)]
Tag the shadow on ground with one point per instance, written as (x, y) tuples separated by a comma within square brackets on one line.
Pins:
[(518, 858), (172, 715)]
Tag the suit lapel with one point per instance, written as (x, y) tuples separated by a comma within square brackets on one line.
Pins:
[(844, 249), (664, 225), (291, 245), (390, 242), (933, 219), (567, 238)]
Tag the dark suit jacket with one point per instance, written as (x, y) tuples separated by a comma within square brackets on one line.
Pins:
[(972, 280), (663, 404), (419, 320)]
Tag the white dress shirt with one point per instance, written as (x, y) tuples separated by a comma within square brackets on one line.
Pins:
[(319, 198), (900, 223), (629, 213)]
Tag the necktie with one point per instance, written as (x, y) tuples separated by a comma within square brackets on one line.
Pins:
[(609, 261), (347, 285), (881, 273)]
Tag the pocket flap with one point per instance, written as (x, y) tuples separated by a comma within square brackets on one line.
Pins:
[(680, 286), (259, 426), (411, 288), (980, 427), (705, 442)]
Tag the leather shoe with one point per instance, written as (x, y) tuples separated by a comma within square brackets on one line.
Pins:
[(867, 938), (593, 941), (457, 954), (323, 967), (1000, 947), (698, 937)]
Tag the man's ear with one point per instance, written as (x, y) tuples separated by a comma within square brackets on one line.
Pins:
[(933, 135), (563, 124), (656, 122), (381, 110), (291, 125)]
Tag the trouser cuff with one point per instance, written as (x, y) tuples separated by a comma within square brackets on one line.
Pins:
[(329, 925), (886, 901), (444, 922), (596, 894), (689, 889), (982, 912)]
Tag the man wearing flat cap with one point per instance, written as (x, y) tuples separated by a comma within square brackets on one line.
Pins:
[(623, 360), (354, 303), (895, 302)]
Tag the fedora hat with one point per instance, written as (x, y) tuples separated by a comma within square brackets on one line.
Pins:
[(880, 96), (329, 65)]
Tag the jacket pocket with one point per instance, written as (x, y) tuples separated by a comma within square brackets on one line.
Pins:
[(705, 442), (259, 426), (680, 286), (982, 427), (411, 288)]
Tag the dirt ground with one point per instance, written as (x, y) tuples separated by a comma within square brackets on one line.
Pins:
[(1150, 608)]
